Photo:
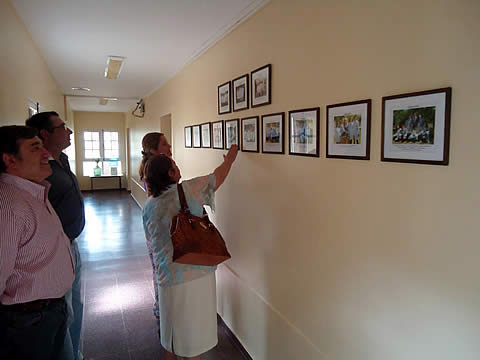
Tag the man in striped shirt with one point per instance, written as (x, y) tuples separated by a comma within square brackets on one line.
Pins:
[(36, 265)]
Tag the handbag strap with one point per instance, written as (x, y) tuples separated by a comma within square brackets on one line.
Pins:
[(181, 196)]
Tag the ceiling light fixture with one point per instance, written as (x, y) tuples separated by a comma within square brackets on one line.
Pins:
[(114, 66), (81, 88), (103, 101), (112, 99)]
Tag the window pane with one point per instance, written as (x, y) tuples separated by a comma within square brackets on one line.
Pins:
[(114, 154), (88, 167), (95, 136), (88, 145), (107, 145), (106, 136), (114, 135), (87, 135), (96, 145), (115, 145)]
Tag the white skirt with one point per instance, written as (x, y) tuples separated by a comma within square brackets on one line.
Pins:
[(188, 316)]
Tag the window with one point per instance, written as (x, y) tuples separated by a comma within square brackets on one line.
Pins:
[(102, 148)]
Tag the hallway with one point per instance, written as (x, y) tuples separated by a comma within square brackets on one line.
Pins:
[(118, 291)]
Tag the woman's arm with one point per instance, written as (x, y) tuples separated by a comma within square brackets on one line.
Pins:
[(222, 171)]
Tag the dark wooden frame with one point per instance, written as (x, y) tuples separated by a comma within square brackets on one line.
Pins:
[(191, 137), (223, 135), (317, 154), (201, 135), (238, 132), (283, 133), (446, 134), (269, 66), (229, 95), (368, 102), (247, 92), (258, 132)]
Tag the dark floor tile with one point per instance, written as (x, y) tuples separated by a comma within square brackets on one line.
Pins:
[(142, 329), (152, 353)]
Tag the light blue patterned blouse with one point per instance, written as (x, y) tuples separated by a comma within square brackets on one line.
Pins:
[(158, 213)]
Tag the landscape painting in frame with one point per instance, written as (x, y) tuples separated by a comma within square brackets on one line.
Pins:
[(348, 130), (250, 141), (231, 133), (188, 136), (196, 136), (261, 84), (217, 129), (304, 132), (416, 127), (240, 93), (224, 104), (205, 131), (272, 133)]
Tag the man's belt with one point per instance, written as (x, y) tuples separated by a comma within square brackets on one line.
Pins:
[(36, 305)]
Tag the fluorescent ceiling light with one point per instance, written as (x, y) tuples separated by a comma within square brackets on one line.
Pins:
[(81, 88), (114, 66), (112, 99)]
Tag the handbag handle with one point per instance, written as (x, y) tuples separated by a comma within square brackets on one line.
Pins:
[(181, 196)]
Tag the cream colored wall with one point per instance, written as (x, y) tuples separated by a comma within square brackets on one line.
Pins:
[(339, 259), (23, 72), (85, 121)]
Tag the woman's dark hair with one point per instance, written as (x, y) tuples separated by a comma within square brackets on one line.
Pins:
[(149, 142), (156, 174), (10, 137)]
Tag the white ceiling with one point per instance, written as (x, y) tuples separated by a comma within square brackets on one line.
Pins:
[(157, 37)]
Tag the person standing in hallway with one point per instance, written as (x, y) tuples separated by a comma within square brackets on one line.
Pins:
[(67, 200), (36, 264), (186, 293)]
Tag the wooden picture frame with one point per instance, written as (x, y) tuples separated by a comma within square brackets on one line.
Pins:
[(250, 131), (304, 132), (261, 86), (187, 134), (240, 92), (218, 135), (232, 133), (273, 133), (196, 141), (206, 135), (224, 98)]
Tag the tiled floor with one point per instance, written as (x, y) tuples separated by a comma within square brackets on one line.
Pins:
[(119, 323)]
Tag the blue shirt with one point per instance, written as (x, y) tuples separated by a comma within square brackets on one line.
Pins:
[(158, 213)]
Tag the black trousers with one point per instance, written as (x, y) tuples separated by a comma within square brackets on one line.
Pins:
[(38, 334)]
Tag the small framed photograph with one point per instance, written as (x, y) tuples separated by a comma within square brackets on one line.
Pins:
[(240, 93), (416, 127), (261, 84), (273, 133), (250, 141), (224, 99), (188, 136), (218, 134), (196, 136), (348, 130), (231, 133), (304, 134), (206, 134)]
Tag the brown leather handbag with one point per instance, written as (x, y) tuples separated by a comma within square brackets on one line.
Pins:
[(196, 241)]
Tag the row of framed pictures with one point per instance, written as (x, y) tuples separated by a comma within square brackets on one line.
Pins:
[(236, 91), (415, 129)]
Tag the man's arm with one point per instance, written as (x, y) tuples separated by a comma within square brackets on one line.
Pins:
[(10, 237)]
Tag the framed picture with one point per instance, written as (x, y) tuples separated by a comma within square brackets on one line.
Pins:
[(218, 134), (273, 133), (348, 130), (240, 93), (224, 102), (231, 133), (416, 127), (196, 136), (188, 136), (206, 131), (304, 132), (250, 141), (261, 84)]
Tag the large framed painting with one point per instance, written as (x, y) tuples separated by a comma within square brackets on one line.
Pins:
[(188, 136), (261, 84), (250, 141), (224, 98), (304, 132), (196, 136), (218, 134), (348, 130), (240, 93), (273, 133), (416, 127), (206, 134), (231, 133)]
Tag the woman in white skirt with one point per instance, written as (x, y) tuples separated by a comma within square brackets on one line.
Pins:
[(186, 293)]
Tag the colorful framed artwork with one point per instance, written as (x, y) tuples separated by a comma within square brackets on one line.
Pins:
[(240, 93), (224, 98), (416, 127), (196, 136), (304, 132), (188, 136), (261, 85), (206, 135), (273, 126), (250, 141), (348, 130), (218, 134), (231, 133)]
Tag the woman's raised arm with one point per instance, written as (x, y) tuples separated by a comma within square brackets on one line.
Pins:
[(222, 171)]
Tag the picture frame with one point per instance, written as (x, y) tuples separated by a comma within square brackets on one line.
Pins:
[(224, 98), (218, 135), (232, 129), (196, 136), (304, 132), (188, 136), (250, 139), (261, 86), (416, 127), (240, 93), (206, 135), (273, 133), (348, 130)]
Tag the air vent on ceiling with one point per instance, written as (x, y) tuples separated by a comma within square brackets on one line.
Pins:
[(114, 66)]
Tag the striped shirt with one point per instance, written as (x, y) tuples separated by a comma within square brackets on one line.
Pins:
[(35, 258)]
